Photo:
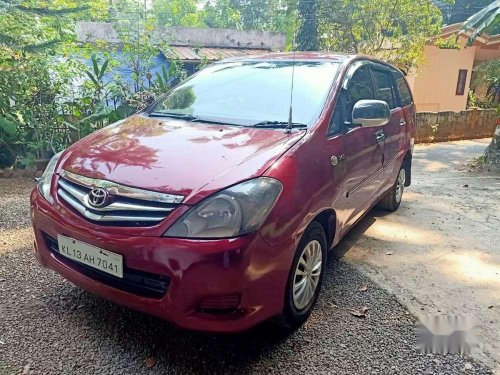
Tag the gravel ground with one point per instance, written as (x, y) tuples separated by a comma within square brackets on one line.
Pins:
[(49, 326)]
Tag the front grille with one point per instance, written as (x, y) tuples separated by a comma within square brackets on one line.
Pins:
[(125, 206), (136, 282)]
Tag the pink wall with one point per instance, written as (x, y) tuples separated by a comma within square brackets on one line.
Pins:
[(435, 82)]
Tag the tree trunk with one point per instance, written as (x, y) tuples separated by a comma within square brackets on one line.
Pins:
[(493, 152), (307, 35)]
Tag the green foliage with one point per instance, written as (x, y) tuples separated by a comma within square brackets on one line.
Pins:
[(392, 30), (487, 75), (178, 13), (203, 63), (307, 36), (36, 75), (138, 48), (269, 15), (448, 43), (48, 97), (474, 101), (222, 14), (162, 79), (494, 27), (96, 76), (29, 26)]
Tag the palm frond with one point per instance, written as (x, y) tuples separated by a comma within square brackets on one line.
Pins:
[(483, 25), (479, 21)]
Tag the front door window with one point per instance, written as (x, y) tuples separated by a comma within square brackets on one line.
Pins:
[(359, 87)]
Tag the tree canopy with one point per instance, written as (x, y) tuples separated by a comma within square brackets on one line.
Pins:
[(178, 13), (392, 30), (31, 25)]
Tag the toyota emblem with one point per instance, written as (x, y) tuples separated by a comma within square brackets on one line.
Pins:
[(98, 197)]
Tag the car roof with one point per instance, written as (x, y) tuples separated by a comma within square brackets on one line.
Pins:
[(341, 58), (299, 55)]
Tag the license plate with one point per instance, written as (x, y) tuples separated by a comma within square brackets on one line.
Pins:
[(92, 256)]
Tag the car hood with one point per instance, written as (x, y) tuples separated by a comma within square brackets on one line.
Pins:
[(176, 156)]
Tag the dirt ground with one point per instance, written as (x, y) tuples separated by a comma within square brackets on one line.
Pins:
[(440, 253), (49, 326)]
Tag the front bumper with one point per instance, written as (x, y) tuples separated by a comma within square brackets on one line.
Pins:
[(246, 272)]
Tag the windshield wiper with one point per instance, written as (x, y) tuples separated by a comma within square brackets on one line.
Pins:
[(188, 117), (173, 115), (278, 124)]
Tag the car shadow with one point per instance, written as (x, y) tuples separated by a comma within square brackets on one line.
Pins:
[(143, 336), (193, 352), (357, 231)]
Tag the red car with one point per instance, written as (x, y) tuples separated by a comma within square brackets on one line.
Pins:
[(215, 209)]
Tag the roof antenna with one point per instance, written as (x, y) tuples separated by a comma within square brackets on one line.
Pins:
[(290, 111)]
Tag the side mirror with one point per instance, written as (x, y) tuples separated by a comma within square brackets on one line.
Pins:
[(370, 113)]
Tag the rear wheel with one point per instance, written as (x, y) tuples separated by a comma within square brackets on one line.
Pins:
[(392, 199), (306, 275)]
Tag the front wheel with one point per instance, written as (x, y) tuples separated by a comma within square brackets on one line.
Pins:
[(392, 199), (306, 276)]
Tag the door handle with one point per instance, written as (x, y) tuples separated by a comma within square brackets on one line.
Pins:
[(402, 122), (380, 136), (334, 160)]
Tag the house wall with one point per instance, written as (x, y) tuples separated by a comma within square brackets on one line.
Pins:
[(435, 82), (488, 52), (185, 36)]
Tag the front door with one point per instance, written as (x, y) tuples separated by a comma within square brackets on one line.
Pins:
[(363, 148)]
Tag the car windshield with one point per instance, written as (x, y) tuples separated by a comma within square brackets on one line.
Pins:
[(252, 93)]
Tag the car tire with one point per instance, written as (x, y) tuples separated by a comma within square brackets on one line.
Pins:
[(392, 199), (308, 267)]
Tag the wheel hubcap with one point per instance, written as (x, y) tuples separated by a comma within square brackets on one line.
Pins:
[(400, 184), (307, 273)]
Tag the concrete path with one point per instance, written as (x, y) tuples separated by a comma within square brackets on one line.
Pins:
[(440, 252)]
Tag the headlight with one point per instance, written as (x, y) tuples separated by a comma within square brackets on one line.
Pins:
[(45, 180), (235, 211)]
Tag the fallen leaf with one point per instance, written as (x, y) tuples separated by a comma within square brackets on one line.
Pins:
[(331, 305), (389, 253), (361, 313), (150, 362), (363, 289), (468, 366), (26, 369)]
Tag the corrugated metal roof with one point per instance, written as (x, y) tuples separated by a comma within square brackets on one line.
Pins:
[(186, 53)]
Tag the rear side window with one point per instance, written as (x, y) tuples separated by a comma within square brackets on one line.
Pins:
[(384, 90), (404, 90)]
